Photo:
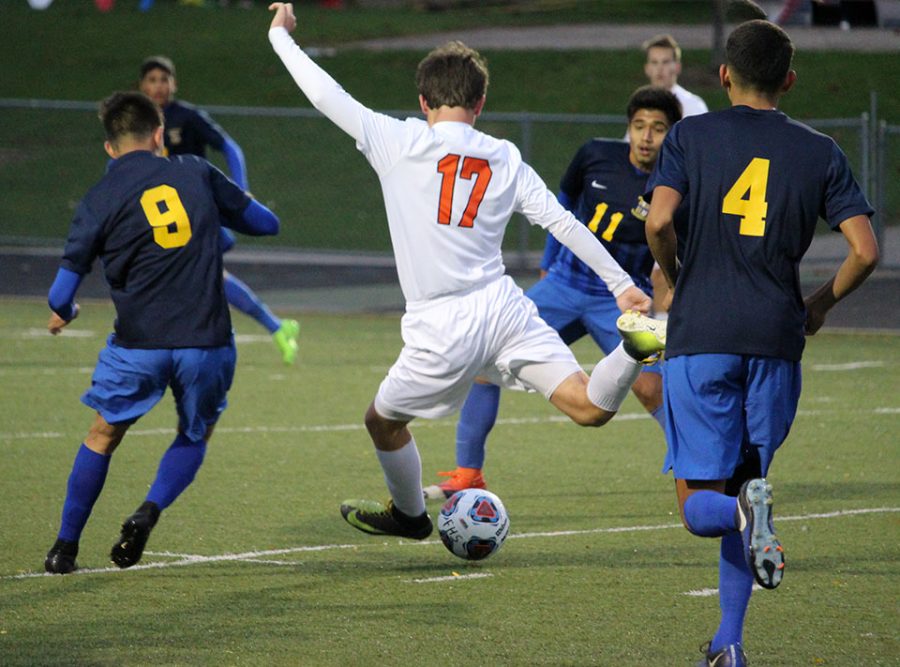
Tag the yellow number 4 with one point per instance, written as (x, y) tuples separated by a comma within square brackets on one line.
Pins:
[(753, 207), (171, 226)]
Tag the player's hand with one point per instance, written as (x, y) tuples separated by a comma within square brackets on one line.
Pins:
[(56, 323), (634, 299), (284, 16)]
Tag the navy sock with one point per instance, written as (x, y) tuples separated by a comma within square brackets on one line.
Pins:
[(177, 469), (85, 484), (243, 298), (735, 588), (710, 514), (476, 419)]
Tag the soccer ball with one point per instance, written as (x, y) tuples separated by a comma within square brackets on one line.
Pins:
[(473, 524)]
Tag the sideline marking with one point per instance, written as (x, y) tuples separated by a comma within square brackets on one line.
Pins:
[(255, 556), (425, 423), (708, 592), (452, 577)]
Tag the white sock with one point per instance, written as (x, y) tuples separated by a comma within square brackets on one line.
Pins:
[(612, 379), (403, 475)]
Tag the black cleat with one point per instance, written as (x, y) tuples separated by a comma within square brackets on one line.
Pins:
[(129, 548), (61, 558), (374, 518), (730, 656)]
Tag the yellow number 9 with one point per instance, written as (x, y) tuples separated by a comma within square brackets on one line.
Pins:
[(171, 226)]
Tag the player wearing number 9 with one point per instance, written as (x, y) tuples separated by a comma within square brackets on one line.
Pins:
[(154, 223), (756, 182)]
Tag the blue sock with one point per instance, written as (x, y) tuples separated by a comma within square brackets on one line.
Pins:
[(85, 484), (735, 588), (710, 514), (177, 469), (660, 416), (476, 419), (243, 298)]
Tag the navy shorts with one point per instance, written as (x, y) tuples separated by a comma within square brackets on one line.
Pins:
[(128, 382), (574, 313), (723, 409)]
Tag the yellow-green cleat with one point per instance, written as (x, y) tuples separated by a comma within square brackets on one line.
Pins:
[(375, 518), (643, 337), (286, 340)]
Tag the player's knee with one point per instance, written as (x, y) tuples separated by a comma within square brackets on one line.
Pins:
[(592, 416)]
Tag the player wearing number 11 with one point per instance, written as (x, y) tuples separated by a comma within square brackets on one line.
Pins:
[(756, 182), (154, 223), (449, 192)]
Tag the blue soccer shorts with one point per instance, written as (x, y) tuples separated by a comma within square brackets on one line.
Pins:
[(574, 313), (719, 407), (128, 382)]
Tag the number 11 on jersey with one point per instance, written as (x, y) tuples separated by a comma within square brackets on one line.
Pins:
[(471, 166)]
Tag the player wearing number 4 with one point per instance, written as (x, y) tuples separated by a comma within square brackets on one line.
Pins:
[(602, 187), (154, 223), (756, 182), (449, 192)]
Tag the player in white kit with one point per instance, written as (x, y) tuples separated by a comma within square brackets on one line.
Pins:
[(449, 192)]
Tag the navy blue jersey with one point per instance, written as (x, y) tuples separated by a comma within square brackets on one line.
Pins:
[(189, 130), (154, 222), (604, 187), (756, 182)]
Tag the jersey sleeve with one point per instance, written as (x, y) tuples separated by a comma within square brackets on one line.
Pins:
[(843, 197), (670, 168), (231, 200), (323, 92), (537, 203), (375, 133), (212, 133), (84, 241)]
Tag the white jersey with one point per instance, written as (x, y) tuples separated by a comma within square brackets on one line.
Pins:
[(449, 191), (691, 105)]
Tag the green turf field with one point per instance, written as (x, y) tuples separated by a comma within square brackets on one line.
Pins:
[(309, 172), (253, 565)]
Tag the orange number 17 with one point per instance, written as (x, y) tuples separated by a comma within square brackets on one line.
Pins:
[(471, 166)]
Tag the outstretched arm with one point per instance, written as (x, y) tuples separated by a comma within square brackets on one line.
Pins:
[(862, 256), (323, 92)]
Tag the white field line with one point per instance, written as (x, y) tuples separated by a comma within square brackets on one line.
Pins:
[(452, 577), (256, 556), (849, 366), (424, 423), (708, 592)]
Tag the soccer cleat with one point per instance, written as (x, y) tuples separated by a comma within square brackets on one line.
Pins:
[(461, 478), (643, 337), (730, 656), (286, 340), (763, 551), (129, 548), (61, 557), (372, 517)]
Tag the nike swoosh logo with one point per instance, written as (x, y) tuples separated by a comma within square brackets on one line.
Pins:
[(597, 185)]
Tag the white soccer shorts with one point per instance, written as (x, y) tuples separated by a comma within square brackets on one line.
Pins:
[(493, 332)]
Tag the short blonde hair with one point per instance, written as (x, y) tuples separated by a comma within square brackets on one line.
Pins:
[(664, 41)]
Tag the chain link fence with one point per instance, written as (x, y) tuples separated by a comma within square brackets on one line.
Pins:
[(310, 173)]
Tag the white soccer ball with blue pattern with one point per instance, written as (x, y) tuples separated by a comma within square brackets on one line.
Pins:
[(473, 524)]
